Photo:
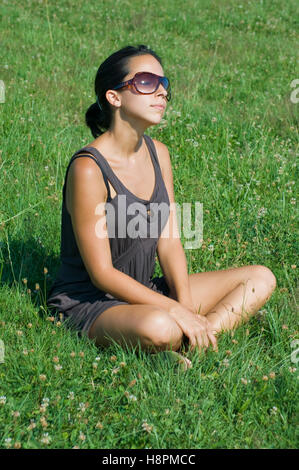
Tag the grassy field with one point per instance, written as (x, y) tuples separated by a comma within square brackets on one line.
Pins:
[(231, 129)]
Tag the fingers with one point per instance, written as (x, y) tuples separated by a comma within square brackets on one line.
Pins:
[(205, 340), (202, 340), (210, 334), (199, 340), (213, 340), (193, 342), (200, 333)]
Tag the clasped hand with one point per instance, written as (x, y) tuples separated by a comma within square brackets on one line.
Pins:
[(196, 327)]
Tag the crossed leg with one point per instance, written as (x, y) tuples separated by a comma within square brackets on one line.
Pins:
[(137, 324), (226, 297), (231, 296)]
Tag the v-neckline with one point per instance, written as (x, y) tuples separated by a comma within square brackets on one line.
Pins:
[(147, 201)]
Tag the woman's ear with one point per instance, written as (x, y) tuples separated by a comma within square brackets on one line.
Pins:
[(113, 98)]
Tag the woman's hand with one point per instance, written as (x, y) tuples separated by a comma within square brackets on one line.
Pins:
[(195, 327)]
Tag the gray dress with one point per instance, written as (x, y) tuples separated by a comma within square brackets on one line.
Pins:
[(72, 294)]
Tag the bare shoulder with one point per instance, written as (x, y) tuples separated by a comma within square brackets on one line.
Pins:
[(84, 177)]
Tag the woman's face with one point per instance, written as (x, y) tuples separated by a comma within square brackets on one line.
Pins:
[(142, 107)]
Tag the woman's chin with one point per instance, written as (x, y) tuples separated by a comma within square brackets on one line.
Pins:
[(154, 120)]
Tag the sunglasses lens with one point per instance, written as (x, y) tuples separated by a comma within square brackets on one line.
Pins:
[(146, 83)]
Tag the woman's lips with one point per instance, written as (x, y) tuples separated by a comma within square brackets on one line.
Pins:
[(159, 106)]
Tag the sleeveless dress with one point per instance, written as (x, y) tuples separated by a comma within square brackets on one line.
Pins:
[(73, 297)]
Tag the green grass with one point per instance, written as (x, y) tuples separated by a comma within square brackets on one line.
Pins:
[(232, 133)]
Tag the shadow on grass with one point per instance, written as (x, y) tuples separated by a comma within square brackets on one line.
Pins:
[(23, 263)]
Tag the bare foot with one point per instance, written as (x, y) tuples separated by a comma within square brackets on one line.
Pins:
[(177, 358)]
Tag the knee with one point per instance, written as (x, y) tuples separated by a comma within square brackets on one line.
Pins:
[(265, 275), (162, 331)]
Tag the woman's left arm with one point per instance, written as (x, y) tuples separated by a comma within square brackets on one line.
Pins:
[(170, 252), (174, 266)]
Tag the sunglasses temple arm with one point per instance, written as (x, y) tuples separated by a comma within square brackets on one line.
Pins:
[(122, 84)]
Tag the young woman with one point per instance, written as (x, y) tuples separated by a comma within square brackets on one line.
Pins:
[(105, 286)]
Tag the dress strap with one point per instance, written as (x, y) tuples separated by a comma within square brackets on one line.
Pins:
[(106, 169), (119, 187)]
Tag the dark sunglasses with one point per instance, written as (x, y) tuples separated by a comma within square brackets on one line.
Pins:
[(147, 83)]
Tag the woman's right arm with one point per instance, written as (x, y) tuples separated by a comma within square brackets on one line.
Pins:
[(85, 193)]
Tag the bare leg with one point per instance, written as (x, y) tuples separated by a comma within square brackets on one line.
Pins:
[(229, 296), (239, 305), (131, 325)]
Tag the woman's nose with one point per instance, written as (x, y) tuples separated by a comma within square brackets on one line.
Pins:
[(161, 90)]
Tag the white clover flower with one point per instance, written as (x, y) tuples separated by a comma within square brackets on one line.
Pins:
[(273, 410), (81, 407), (262, 211), (146, 427), (132, 397), (46, 438), (32, 425), (8, 442)]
